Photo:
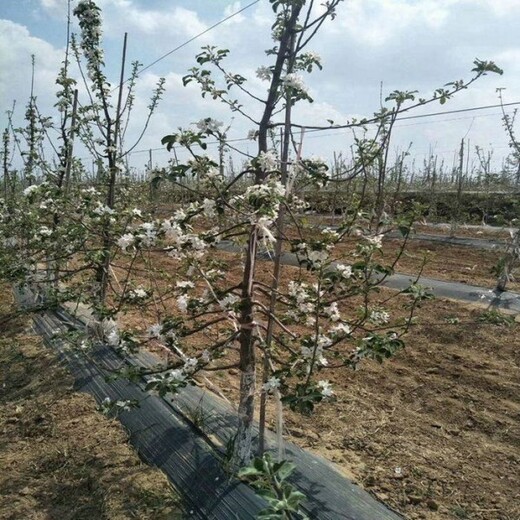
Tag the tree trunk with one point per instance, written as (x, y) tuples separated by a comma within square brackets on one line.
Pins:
[(246, 407)]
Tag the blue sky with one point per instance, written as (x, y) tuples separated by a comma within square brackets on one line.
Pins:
[(403, 44)]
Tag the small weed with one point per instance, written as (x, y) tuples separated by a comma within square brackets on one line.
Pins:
[(459, 512), (198, 416), (496, 317), (452, 320)]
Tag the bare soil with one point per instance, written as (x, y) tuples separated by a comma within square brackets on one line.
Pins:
[(446, 229), (60, 458), (447, 262), (440, 261), (462, 230), (434, 432)]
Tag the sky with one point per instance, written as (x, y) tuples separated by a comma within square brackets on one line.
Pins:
[(372, 47)]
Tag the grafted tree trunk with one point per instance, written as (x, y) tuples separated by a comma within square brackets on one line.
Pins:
[(512, 256), (246, 408)]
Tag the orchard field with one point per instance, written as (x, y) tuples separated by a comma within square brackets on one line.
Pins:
[(302, 292)]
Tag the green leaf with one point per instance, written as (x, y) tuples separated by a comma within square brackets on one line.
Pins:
[(169, 141), (404, 230), (249, 471), (156, 181), (268, 494), (187, 79), (483, 67), (283, 469)]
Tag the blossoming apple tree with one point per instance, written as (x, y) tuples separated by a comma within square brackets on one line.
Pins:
[(282, 336)]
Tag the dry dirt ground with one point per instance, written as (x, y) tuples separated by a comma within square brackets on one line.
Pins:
[(435, 432), (441, 261), (60, 459), (448, 262), (446, 229), (489, 232)]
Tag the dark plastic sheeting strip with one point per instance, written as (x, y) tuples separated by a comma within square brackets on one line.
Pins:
[(165, 438), (161, 436), (475, 243), (504, 300)]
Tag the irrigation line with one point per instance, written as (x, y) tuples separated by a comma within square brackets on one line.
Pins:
[(503, 300), (193, 38)]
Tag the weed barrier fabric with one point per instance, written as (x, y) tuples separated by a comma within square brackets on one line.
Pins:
[(160, 435), (503, 300), (164, 437), (474, 243), (330, 494)]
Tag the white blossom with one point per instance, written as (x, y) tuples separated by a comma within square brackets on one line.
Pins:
[(182, 303), (330, 233), (267, 161), (378, 317), (314, 56), (295, 81), (179, 214), (209, 125), (308, 353), (102, 209), (113, 338), (172, 376), (155, 331), (344, 270), (323, 341), (190, 365), (176, 375), (44, 231), (172, 230), (110, 331), (126, 241), (137, 294), (375, 240), (264, 73), (228, 301), (264, 232), (212, 173), (332, 311), (317, 258), (185, 285), (271, 384), (148, 234), (29, 190), (326, 388), (341, 328), (209, 206)]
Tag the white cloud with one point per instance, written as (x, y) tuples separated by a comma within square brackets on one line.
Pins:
[(161, 24), (230, 10), (406, 44), (377, 22), (54, 7), (17, 48)]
